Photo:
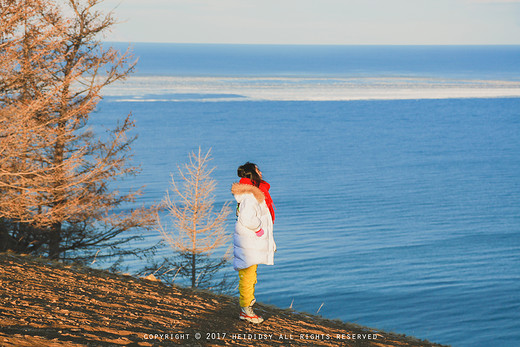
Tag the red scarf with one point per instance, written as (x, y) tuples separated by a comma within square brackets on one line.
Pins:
[(264, 187)]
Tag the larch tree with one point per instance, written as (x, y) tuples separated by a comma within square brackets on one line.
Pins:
[(56, 174), (195, 230), (30, 34)]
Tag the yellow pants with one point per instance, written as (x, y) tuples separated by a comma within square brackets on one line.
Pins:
[(246, 285)]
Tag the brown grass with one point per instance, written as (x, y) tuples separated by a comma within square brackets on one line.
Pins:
[(44, 303)]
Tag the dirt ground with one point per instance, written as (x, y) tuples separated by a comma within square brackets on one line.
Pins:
[(44, 303)]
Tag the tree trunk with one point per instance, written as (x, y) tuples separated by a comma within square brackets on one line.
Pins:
[(55, 241), (58, 195), (193, 268)]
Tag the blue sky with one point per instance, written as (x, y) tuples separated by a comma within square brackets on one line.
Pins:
[(317, 21)]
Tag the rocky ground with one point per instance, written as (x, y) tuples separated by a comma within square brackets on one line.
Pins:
[(44, 303)]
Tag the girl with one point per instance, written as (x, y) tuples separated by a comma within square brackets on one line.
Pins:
[(253, 239)]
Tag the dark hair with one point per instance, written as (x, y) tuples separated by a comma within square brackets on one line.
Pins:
[(248, 170)]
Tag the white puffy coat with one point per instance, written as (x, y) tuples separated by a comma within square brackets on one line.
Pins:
[(253, 215)]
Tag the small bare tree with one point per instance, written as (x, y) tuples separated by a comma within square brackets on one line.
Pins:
[(196, 231)]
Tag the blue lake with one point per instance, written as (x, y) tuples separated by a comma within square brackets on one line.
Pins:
[(396, 185)]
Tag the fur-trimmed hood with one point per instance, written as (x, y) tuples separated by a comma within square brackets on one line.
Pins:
[(240, 189)]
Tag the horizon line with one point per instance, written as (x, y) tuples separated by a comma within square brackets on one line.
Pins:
[(316, 44)]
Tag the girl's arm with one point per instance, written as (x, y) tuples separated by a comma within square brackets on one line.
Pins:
[(247, 215)]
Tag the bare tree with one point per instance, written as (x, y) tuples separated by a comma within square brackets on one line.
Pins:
[(196, 231), (55, 173)]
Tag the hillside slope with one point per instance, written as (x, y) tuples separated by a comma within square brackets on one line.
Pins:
[(44, 303)]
